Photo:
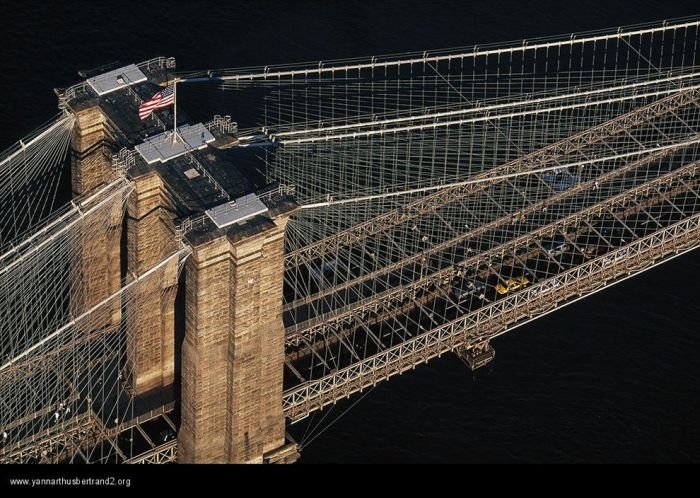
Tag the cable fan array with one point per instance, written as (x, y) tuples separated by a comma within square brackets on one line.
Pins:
[(31, 172)]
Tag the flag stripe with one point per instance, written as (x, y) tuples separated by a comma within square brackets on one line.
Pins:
[(164, 98)]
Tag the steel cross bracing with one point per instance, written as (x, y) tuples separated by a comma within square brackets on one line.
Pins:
[(526, 208), (405, 299), (435, 249), (53, 446), (526, 161), (685, 181), (413, 281), (165, 453), (433, 201), (77, 442), (436, 286), (400, 300), (442, 278), (496, 318)]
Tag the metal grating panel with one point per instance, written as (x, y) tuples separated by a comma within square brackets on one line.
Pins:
[(117, 79), (237, 210), (162, 147)]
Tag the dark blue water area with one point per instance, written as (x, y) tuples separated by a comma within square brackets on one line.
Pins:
[(612, 378)]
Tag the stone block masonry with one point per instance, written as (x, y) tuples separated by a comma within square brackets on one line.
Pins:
[(97, 257), (151, 321), (233, 353)]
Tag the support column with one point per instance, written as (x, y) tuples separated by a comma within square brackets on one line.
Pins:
[(90, 150), (97, 261), (233, 353), (205, 354), (151, 316)]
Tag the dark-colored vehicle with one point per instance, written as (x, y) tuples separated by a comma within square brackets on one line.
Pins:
[(560, 179), (556, 246), (467, 288)]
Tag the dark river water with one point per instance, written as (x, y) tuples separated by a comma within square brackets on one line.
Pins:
[(614, 378)]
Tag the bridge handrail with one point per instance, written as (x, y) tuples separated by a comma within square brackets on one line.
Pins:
[(123, 160), (200, 167), (277, 191), (166, 452), (159, 62), (73, 91), (200, 220), (223, 124)]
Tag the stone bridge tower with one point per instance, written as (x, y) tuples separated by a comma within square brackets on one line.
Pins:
[(232, 354)]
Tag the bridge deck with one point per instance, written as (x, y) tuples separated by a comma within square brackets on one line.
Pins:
[(371, 298), (494, 318)]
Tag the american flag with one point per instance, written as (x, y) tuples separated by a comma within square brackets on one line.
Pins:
[(164, 98)]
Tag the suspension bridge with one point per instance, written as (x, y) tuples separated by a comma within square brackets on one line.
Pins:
[(173, 290)]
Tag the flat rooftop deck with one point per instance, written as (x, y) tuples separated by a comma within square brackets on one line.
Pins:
[(236, 210), (177, 164), (165, 146), (117, 79)]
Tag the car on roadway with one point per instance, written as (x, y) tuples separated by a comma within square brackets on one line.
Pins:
[(512, 284), (556, 246), (466, 288)]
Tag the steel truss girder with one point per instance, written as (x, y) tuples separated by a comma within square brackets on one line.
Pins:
[(496, 318), (432, 289), (74, 435), (85, 431), (165, 453), (398, 301), (440, 276)]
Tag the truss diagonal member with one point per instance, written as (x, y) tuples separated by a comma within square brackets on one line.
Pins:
[(436, 291), (357, 311), (497, 318), (470, 234), (165, 453)]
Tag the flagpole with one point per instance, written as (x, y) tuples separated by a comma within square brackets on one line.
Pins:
[(175, 110)]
